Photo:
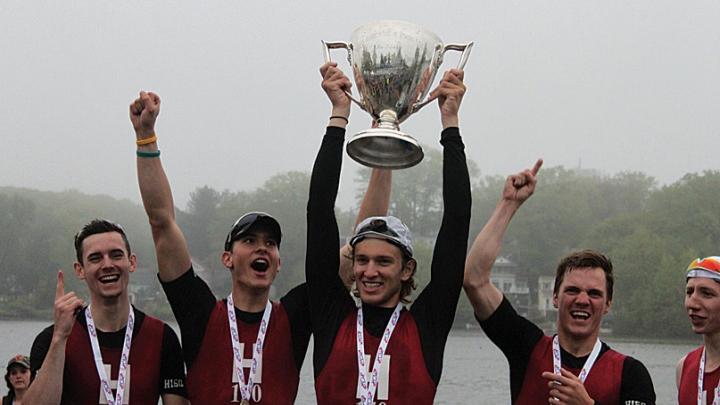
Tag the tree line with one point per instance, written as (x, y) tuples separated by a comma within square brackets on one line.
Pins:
[(650, 232)]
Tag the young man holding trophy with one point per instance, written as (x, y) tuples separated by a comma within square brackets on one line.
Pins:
[(376, 351), (243, 349)]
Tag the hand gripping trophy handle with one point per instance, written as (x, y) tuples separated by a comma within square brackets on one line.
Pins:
[(327, 46), (465, 49)]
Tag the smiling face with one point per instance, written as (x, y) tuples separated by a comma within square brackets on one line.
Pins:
[(254, 260), (581, 301), (702, 302), (379, 272), (106, 265), (19, 377)]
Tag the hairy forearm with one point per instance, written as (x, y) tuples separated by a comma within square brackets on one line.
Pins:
[(46, 389), (376, 200), (484, 296), (155, 191), (170, 245)]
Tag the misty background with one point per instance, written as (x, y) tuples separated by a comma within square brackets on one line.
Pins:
[(620, 99), (614, 86)]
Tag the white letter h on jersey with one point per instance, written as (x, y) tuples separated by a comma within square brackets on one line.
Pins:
[(383, 387), (113, 386), (247, 363)]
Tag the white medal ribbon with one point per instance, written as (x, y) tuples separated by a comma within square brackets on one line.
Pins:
[(367, 392), (246, 387), (701, 378), (589, 363), (124, 357)]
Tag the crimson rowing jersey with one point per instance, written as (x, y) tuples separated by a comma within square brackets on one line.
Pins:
[(211, 378), (404, 377), (613, 379), (207, 348), (687, 393), (602, 384), (153, 366), (412, 368)]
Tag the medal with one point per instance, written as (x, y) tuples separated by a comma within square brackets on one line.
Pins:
[(368, 388), (246, 387), (124, 357)]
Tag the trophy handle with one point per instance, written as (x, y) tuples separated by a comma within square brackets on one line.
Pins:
[(465, 49), (327, 46)]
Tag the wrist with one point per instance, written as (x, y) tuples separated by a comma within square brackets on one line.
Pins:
[(339, 117), (341, 111), (508, 207), (59, 339), (142, 133), (449, 121)]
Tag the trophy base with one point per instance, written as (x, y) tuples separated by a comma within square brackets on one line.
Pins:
[(383, 148)]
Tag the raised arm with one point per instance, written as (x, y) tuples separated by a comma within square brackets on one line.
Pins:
[(321, 268), (439, 299), (483, 294), (47, 387), (375, 202), (170, 246)]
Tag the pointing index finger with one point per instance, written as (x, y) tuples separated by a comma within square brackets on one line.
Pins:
[(537, 167), (60, 289)]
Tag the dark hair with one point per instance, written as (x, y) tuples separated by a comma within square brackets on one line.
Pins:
[(97, 226), (582, 259), (407, 286)]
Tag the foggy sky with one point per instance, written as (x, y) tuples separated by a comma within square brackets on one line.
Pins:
[(611, 85)]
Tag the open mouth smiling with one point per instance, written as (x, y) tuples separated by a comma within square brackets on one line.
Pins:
[(580, 315), (260, 265), (109, 278)]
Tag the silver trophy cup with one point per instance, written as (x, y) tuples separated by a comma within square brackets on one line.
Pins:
[(394, 64)]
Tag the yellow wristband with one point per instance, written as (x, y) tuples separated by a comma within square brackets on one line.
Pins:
[(146, 141)]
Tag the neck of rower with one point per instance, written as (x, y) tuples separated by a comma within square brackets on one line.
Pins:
[(249, 299), (712, 351), (110, 315), (578, 347)]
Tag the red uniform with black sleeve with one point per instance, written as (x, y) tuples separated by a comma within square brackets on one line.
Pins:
[(687, 392), (602, 384), (207, 348), (155, 366), (613, 379), (412, 364)]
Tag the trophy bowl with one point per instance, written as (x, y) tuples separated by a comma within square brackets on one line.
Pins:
[(394, 63)]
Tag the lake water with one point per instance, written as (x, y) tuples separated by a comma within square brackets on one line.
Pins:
[(475, 371)]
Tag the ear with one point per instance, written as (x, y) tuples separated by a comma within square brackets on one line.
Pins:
[(226, 258), (607, 307), (279, 265), (555, 301), (133, 263), (79, 271), (409, 270)]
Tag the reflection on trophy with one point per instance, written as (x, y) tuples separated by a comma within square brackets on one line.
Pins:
[(394, 64)]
